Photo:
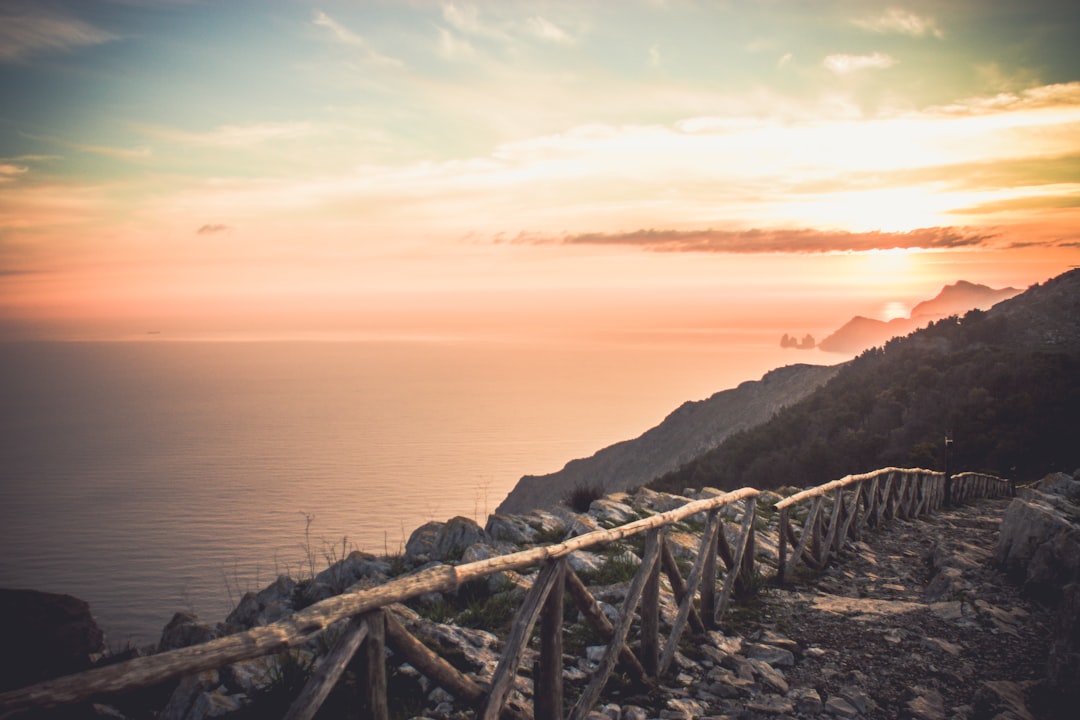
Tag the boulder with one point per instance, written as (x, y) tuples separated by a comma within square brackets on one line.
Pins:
[(510, 528), (1039, 542), (420, 547), (1063, 665), (185, 630), (611, 512), (456, 535), (270, 604), (350, 570), (45, 635)]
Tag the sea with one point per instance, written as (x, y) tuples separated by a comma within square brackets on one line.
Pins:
[(158, 476)]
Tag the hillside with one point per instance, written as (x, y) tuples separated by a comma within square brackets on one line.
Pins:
[(692, 429), (861, 333), (1004, 384)]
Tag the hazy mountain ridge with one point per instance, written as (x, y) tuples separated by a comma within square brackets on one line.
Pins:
[(861, 332), (693, 428), (1004, 383)]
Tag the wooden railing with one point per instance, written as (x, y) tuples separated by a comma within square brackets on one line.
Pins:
[(370, 627), (841, 509), (837, 510)]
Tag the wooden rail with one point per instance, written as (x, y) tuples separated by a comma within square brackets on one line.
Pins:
[(370, 627), (841, 509), (834, 512)]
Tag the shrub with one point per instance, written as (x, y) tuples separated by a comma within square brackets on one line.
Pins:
[(581, 497)]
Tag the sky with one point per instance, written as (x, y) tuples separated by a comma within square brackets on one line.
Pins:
[(323, 169)]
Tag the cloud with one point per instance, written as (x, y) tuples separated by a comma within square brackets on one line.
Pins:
[(901, 22), (782, 240), (453, 47), (236, 136), (654, 56), (843, 64), (10, 171), (213, 229), (136, 153), (784, 60), (466, 19), (346, 36), (549, 31), (31, 31)]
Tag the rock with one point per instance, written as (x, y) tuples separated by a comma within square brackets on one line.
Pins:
[(633, 712), (1063, 665), (420, 547), (45, 635), (350, 570), (510, 528), (185, 630), (1039, 543), (1002, 699), (677, 708), (840, 707), (1060, 484), (658, 501), (770, 704), (583, 561), (611, 512), (771, 678), (270, 604), (456, 535), (929, 705), (771, 654), (807, 700), (943, 646)]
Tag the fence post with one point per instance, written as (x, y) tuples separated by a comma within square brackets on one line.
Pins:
[(548, 695)]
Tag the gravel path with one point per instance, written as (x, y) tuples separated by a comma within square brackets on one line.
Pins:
[(914, 622)]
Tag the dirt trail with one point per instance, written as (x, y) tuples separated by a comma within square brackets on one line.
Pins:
[(914, 621)]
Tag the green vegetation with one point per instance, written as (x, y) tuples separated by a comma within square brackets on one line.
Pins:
[(581, 497), (1010, 411)]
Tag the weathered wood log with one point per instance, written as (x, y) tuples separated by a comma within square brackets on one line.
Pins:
[(597, 620), (430, 664), (374, 657), (781, 545), (807, 533), (650, 616), (678, 584), (323, 680), (520, 631), (745, 537), (548, 678), (622, 628), (708, 582), (708, 537), (825, 547)]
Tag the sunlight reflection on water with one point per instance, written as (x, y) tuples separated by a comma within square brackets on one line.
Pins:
[(148, 478)]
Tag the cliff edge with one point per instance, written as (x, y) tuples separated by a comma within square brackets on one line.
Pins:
[(694, 428)]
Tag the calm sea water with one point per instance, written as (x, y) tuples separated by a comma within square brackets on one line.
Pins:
[(151, 477)]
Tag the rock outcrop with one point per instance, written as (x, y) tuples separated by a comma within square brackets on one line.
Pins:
[(45, 635), (1039, 546), (691, 430)]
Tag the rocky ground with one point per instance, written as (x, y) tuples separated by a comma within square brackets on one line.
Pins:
[(915, 621)]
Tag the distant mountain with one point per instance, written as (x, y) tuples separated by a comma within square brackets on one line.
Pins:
[(1003, 384), (692, 429), (861, 333)]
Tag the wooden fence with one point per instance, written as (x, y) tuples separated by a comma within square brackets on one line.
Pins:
[(370, 627), (857, 501), (841, 509)]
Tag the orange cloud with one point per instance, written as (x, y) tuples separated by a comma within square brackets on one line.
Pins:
[(786, 240)]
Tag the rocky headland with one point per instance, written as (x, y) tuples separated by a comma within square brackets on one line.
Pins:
[(694, 428)]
